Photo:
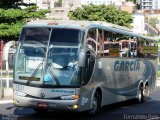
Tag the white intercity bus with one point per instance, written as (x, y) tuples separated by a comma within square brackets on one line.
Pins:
[(82, 65)]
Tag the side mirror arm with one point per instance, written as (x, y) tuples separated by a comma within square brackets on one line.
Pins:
[(82, 57)]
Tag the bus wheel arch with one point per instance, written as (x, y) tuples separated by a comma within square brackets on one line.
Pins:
[(96, 101)]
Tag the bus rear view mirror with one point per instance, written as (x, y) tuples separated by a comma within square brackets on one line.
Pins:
[(82, 57)]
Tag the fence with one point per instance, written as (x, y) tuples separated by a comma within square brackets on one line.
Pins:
[(6, 76)]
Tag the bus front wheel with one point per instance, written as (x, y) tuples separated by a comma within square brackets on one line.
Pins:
[(96, 104)]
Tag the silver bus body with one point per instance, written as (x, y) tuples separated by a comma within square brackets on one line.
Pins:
[(114, 78)]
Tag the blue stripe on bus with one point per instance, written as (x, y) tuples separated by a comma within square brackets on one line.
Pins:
[(148, 74)]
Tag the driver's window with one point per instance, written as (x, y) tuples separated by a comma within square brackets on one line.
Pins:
[(91, 39)]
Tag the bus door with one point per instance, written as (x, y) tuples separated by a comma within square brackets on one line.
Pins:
[(90, 55)]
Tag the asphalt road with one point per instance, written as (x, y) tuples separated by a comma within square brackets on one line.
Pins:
[(130, 110)]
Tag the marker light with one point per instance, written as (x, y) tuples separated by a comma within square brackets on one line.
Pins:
[(15, 102), (75, 106), (75, 97), (70, 97)]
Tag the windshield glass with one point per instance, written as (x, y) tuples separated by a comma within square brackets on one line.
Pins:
[(48, 57), (62, 66), (31, 54)]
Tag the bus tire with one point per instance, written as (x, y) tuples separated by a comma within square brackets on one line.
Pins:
[(96, 104), (140, 95)]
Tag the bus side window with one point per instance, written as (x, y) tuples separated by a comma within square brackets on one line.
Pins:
[(91, 40), (149, 50), (124, 48), (91, 44), (114, 49), (133, 49), (100, 44), (106, 48), (140, 50)]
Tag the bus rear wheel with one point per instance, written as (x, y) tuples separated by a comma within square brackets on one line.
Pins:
[(96, 104), (140, 95)]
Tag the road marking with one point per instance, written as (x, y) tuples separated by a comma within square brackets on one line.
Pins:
[(6, 101)]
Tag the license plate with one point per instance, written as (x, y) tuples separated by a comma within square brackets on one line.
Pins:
[(42, 105)]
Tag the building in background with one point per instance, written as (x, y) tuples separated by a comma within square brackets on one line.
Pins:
[(71, 4), (128, 7), (96, 2), (62, 12), (30, 1), (44, 4), (150, 4), (139, 24), (105, 2)]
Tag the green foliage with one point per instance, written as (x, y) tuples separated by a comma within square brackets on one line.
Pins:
[(150, 34), (153, 21), (158, 74), (58, 3), (102, 13), (131, 1), (12, 20), (5, 4)]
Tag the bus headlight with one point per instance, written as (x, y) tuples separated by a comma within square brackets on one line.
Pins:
[(70, 97), (18, 93)]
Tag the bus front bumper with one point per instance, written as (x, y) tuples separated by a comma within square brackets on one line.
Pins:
[(65, 105)]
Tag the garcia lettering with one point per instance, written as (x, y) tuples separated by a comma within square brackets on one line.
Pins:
[(126, 65)]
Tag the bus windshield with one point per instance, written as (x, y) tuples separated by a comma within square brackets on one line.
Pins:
[(48, 56), (62, 65)]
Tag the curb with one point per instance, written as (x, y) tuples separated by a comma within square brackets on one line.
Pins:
[(4, 78), (6, 94), (158, 82), (6, 101)]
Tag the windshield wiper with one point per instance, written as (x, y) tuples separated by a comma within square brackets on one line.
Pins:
[(53, 76), (34, 74)]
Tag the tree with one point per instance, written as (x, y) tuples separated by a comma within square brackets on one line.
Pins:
[(102, 13), (134, 1), (153, 21), (58, 3), (12, 20), (5, 4)]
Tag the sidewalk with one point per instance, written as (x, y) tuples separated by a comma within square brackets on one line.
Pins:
[(158, 82), (6, 100), (4, 78), (5, 71)]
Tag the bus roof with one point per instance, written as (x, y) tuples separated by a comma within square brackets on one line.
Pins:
[(77, 24), (80, 24)]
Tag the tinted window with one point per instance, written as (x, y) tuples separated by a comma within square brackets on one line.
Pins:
[(36, 34), (70, 36)]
